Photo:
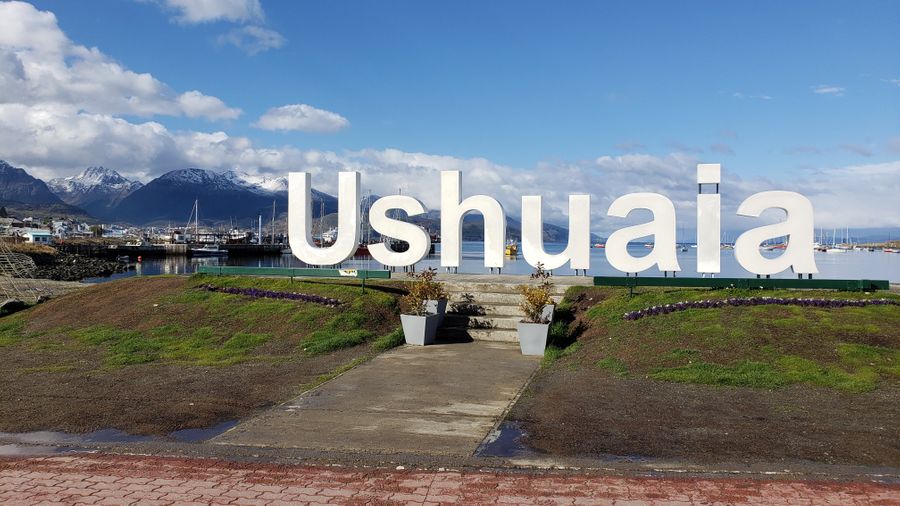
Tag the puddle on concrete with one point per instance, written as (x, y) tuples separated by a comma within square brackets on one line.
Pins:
[(18, 450), (113, 436), (200, 435), (506, 441), (30, 441)]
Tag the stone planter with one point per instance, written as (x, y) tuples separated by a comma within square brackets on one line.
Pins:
[(547, 313), (438, 307), (420, 330), (533, 337)]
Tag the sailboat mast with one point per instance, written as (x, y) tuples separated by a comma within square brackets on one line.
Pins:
[(196, 220), (273, 221)]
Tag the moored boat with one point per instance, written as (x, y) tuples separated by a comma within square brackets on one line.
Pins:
[(212, 250)]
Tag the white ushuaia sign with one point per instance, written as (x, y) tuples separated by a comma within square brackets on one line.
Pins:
[(797, 225)]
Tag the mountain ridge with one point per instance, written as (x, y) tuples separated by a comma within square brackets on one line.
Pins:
[(97, 190)]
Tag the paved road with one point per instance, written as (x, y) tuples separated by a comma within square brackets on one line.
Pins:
[(97, 479), (428, 400)]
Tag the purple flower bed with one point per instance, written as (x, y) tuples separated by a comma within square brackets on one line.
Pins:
[(757, 301), (269, 294)]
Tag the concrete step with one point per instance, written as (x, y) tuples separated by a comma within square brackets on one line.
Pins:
[(492, 312), (465, 287), (486, 309), (488, 321), (503, 335), (493, 298)]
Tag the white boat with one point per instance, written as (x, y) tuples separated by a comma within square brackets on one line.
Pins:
[(212, 250)]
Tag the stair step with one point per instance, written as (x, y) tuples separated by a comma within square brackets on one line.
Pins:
[(494, 298), (487, 321), (487, 310), (495, 288), (504, 335)]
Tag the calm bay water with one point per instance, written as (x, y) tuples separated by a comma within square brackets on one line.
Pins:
[(849, 265)]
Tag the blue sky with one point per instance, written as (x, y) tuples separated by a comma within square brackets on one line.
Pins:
[(800, 95), (522, 82)]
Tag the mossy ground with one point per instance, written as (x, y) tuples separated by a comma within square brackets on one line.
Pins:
[(782, 385), (194, 326), (136, 348), (851, 349)]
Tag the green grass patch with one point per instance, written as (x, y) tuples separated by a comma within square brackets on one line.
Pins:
[(745, 374), (852, 349), (388, 341), (613, 365), (800, 370), (324, 341), (212, 328), (553, 353), (12, 329)]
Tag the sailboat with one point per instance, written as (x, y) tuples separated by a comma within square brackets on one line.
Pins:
[(209, 250), (834, 248)]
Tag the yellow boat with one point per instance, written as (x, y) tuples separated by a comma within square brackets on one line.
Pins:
[(512, 248)]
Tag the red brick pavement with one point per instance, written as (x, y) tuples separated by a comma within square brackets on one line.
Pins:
[(99, 479)]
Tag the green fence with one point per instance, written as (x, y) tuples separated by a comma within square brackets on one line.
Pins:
[(747, 283), (360, 274)]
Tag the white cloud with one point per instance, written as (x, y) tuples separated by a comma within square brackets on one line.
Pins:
[(197, 105), (53, 141), (41, 66), (60, 102), (302, 117), (204, 11), (252, 39), (827, 89)]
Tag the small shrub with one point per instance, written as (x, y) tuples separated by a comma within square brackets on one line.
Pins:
[(535, 297), (423, 288)]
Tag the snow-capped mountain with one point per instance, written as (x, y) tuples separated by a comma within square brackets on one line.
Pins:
[(260, 184), (221, 197), (97, 190)]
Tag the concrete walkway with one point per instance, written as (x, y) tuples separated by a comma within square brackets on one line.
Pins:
[(442, 399)]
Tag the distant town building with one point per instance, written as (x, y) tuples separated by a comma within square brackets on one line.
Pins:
[(37, 236), (8, 226)]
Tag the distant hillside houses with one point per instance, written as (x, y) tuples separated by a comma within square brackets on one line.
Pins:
[(43, 232)]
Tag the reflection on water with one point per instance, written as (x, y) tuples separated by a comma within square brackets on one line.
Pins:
[(19, 450), (850, 265), (52, 441)]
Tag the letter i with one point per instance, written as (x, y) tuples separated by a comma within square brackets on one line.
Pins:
[(709, 217)]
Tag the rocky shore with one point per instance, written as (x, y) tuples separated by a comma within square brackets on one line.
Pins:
[(69, 267)]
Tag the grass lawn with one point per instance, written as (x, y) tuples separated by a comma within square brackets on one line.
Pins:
[(152, 355), (852, 348), (747, 382)]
